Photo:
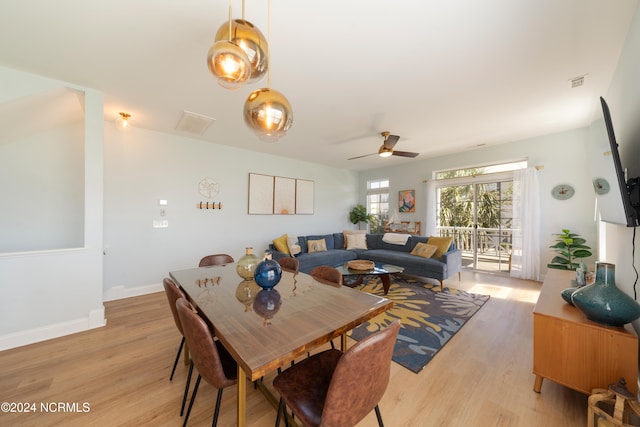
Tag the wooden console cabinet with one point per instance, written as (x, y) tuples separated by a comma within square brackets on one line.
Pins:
[(580, 354)]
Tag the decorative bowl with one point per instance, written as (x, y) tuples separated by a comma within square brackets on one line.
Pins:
[(359, 264)]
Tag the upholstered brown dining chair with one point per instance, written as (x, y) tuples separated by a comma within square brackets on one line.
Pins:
[(333, 388), (215, 259), (174, 293), (328, 275), (211, 359), (289, 264)]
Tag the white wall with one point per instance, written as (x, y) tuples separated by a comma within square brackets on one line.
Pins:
[(623, 98), (42, 187), (563, 157), (51, 293), (143, 167)]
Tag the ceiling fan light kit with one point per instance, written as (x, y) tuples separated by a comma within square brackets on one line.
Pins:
[(386, 149)]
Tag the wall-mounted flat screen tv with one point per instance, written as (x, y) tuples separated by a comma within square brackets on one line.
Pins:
[(617, 196)]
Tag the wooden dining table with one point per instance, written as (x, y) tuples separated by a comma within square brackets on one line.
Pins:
[(264, 330)]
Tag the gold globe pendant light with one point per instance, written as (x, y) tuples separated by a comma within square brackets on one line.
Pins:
[(251, 40), (228, 62), (267, 112)]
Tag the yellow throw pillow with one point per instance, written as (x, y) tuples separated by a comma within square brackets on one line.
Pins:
[(424, 250), (316, 245), (346, 234), (442, 243), (281, 244), (356, 241)]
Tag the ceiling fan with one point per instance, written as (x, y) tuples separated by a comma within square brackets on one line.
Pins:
[(386, 149)]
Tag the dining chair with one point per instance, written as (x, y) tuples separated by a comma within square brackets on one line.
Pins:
[(289, 264), (174, 293), (215, 259), (211, 359), (328, 275), (333, 388)]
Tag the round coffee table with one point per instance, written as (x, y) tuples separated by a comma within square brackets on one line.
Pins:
[(354, 277)]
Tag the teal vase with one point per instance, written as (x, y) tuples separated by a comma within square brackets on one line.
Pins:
[(566, 294), (603, 302)]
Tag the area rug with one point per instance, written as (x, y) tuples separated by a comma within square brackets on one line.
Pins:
[(430, 318)]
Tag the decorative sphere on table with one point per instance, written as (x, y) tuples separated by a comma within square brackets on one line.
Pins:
[(267, 273)]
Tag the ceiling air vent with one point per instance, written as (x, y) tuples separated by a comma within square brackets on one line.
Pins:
[(193, 123), (577, 81)]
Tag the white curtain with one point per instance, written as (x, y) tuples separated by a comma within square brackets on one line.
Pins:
[(430, 223), (525, 253)]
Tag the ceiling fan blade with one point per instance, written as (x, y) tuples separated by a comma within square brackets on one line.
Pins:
[(391, 141), (359, 157), (404, 153)]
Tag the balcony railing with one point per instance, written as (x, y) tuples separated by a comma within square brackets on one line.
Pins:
[(493, 245)]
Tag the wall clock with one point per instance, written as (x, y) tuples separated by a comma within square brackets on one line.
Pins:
[(562, 192), (601, 186), (208, 188)]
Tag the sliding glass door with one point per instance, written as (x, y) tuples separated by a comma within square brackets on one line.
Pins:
[(478, 215)]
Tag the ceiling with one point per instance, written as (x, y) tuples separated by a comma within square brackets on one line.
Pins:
[(447, 76)]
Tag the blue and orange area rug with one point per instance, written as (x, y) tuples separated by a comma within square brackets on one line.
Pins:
[(429, 317)]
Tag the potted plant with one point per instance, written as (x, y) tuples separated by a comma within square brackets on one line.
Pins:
[(359, 214), (569, 247)]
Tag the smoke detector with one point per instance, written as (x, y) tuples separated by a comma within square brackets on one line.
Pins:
[(577, 81)]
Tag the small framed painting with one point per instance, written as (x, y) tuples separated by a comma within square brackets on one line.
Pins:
[(407, 201)]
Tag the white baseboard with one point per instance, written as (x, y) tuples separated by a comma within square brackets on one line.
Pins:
[(120, 292), (95, 319)]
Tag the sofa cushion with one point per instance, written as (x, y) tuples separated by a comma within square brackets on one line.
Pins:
[(443, 244), (318, 245), (293, 245), (331, 257), (328, 240), (338, 241), (356, 241), (424, 250), (346, 233), (281, 244)]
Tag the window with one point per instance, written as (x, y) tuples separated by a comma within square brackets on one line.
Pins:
[(378, 204)]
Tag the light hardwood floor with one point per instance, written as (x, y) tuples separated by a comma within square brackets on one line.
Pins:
[(482, 377)]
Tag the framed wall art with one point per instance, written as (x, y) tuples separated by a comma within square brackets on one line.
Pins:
[(284, 196), (407, 201), (304, 197), (261, 194)]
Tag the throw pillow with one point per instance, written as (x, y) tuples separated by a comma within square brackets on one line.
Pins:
[(316, 246), (356, 241), (281, 244), (442, 243), (424, 250), (347, 232), (292, 244)]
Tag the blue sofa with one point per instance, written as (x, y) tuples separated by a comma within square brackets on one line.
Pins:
[(377, 250)]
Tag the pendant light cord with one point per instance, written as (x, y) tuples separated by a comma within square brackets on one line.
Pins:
[(230, 15), (269, 44)]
